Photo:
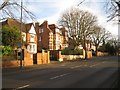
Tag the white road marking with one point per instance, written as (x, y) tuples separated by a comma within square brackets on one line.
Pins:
[(85, 65), (103, 61), (94, 65), (63, 65), (22, 87), (97, 64), (76, 66), (60, 76)]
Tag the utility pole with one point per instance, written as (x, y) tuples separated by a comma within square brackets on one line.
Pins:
[(119, 28), (21, 36)]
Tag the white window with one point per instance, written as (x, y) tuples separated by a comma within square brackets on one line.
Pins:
[(57, 38), (39, 38), (57, 43), (66, 38), (50, 43), (41, 30), (58, 31), (66, 34), (32, 48), (50, 35), (24, 37), (32, 37)]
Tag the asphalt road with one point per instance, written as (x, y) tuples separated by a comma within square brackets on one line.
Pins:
[(99, 72)]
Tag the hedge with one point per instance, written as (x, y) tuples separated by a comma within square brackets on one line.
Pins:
[(69, 51)]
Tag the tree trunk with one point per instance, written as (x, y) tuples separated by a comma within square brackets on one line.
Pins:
[(85, 53), (84, 47), (96, 50)]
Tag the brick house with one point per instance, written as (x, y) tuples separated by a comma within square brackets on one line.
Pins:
[(45, 37), (30, 38), (51, 37), (64, 37), (28, 34)]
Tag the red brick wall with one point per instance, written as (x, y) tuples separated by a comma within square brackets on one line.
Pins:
[(43, 58), (10, 64), (44, 43), (28, 58), (39, 58), (28, 38)]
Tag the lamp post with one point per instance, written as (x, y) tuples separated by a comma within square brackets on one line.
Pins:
[(21, 36)]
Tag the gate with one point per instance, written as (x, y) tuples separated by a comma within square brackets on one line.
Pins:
[(34, 58), (54, 55)]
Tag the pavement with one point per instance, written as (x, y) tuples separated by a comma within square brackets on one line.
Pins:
[(32, 67), (40, 66), (35, 66), (27, 68)]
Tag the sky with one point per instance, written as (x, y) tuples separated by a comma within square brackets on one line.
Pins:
[(51, 11)]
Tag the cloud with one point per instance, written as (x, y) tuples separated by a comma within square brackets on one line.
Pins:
[(59, 6), (51, 11), (51, 19), (96, 8)]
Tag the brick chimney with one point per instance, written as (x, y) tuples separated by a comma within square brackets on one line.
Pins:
[(37, 27), (45, 23)]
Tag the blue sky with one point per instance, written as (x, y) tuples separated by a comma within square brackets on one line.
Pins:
[(52, 9)]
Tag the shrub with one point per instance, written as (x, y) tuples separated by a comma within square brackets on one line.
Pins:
[(78, 51), (69, 51), (6, 50)]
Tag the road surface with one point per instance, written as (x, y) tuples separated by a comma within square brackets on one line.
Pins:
[(99, 72)]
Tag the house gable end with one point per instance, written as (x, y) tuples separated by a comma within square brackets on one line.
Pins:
[(32, 30)]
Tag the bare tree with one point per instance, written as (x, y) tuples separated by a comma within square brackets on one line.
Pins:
[(114, 42), (79, 24), (113, 9), (11, 8), (99, 35)]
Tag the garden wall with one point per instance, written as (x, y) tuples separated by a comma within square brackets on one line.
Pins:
[(72, 57), (29, 59), (102, 54)]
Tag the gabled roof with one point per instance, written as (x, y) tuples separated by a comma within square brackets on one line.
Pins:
[(53, 26), (30, 28), (63, 29), (47, 26), (15, 23)]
